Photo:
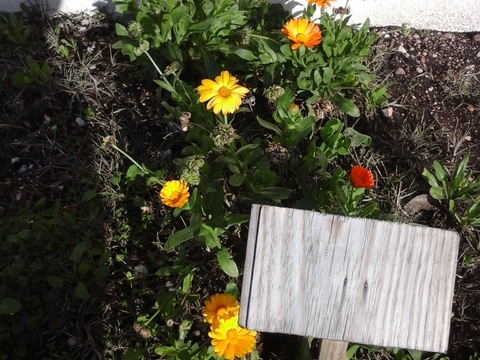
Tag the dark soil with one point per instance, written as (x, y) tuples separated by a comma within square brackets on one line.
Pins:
[(433, 90)]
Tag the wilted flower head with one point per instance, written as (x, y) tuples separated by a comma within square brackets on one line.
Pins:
[(190, 176), (245, 35), (361, 177), (223, 134), (302, 32), (273, 92), (171, 68), (322, 3), (144, 46), (174, 193), (276, 153), (230, 340), (223, 94)]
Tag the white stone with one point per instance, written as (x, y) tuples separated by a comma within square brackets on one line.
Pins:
[(80, 122)]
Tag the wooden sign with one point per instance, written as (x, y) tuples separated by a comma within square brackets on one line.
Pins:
[(348, 279)]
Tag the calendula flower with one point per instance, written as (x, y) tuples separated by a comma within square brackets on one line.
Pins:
[(230, 340), (302, 32), (220, 307), (174, 193), (322, 3), (223, 94), (361, 177)]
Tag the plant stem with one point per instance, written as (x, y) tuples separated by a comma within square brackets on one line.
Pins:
[(154, 63)]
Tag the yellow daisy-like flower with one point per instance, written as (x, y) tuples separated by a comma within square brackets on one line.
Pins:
[(223, 94), (302, 32), (174, 193), (230, 340), (322, 3), (220, 307)]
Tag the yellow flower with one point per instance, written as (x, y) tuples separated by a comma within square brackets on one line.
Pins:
[(220, 307), (294, 107), (302, 32), (230, 340), (174, 193), (223, 94), (322, 3)]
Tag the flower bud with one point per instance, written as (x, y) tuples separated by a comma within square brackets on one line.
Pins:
[(143, 47), (135, 29)]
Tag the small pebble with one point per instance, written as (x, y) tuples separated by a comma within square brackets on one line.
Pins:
[(469, 108), (419, 70), (72, 342), (468, 138), (387, 112), (85, 22), (400, 71), (80, 122), (476, 37), (14, 160), (430, 89), (448, 36), (402, 49)]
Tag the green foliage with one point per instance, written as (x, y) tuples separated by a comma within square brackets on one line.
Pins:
[(458, 192), (14, 29), (177, 30), (32, 74)]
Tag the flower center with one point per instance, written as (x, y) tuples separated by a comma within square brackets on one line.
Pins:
[(224, 91), (175, 196), (232, 335), (301, 38), (221, 311)]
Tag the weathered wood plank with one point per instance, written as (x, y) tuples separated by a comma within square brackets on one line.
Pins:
[(348, 279), (332, 350)]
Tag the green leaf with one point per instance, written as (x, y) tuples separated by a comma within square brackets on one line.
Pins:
[(276, 193), (178, 238), (81, 291), (209, 236), (431, 179), (437, 192), (121, 30), (9, 306), (237, 179), (228, 265), (269, 126), (439, 172), (55, 281), (246, 54), (211, 66), (89, 195), (77, 253), (357, 138), (416, 354), (345, 105)]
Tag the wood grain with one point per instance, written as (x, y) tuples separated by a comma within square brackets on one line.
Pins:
[(348, 279), (332, 350)]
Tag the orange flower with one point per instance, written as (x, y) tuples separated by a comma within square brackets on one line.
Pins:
[(231, 340), (220, 307), (302, 32), (322, 3), (174, 193), (361, 177)]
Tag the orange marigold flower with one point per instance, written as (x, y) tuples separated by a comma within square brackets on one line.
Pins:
[(322, 3), (220, 307), (302, 32), (361, 177), (174, 193), (223, 94), (230, 340)]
